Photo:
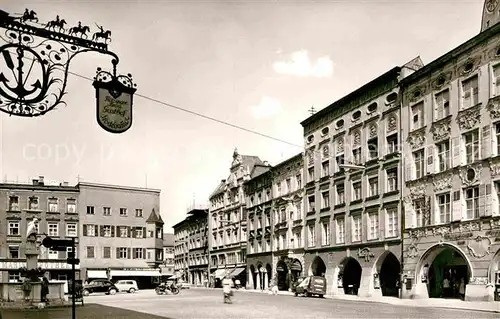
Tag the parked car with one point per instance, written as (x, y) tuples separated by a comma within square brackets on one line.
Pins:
[(129, 286), (99, 285), (312, 285)]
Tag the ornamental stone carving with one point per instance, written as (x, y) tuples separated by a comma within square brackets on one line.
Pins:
[(493, 108), (468, 119), (340, 145), (494, 223), (392, 124), (470, 174), (494, 168), (357, 138), (441, 80), (416, 138), (417, 190), (366, 254), (326, 151), (373, 130), (469, 227), (412, 251), (441, 130), (441, 231), (442, 181), (479, 247)]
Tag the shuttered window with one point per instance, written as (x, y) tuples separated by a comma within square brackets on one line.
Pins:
[(472, 202), (470, 92)]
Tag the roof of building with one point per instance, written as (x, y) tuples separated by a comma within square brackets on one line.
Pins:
[(154, 218), (120, 187), (168, 239)]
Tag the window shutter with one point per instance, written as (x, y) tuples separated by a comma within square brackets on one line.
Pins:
[(117, 253), (101, 231), (486, 142), (430, 159), (143, 232), (84, 230), (455, 150), (409, 220), (482, 199), (144, 253), (96, 229), (456, 206), (129, 253), (408, 173), (112, 231), (133, 252)]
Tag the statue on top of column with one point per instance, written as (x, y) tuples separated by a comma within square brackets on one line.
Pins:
[(32, 230)]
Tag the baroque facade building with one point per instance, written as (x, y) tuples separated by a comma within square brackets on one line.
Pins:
[(56, 209), (121, 233), (275, 224), (452, 169), (191, 241), (352, 186), (228, 222)]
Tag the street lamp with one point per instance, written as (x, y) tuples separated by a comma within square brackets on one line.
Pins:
[(35, 67)]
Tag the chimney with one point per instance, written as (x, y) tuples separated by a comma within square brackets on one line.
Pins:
[(40, 180), (65, 184), (266, 163), (35, 181)]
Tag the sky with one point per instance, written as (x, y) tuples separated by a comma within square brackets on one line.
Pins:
[(256, 64)]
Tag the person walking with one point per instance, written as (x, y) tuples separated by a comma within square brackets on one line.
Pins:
[(45, 289), (226, 289), (446, 287), (461, 289)]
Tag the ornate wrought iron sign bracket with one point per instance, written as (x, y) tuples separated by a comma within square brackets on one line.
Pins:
[(34, 65)]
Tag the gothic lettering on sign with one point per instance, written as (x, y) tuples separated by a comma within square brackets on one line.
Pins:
[(479, 247)]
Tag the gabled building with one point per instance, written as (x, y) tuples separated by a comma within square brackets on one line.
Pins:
[(228, 221)]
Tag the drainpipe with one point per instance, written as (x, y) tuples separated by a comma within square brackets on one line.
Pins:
[(402, 182)]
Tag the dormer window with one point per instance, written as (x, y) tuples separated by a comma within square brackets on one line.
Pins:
[(356, 115), (310, 139), (325, 131), (372, 107)]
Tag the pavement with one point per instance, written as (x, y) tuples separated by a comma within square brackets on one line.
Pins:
[(207, 304)]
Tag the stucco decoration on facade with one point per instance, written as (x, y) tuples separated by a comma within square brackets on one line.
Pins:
[(494, 223), (417, 93), (495, 167), (392, 123), (442, 181), (366, 254), (470, 174), (310, 156), (441, 80), (441, 231), (417, 234), (416, 138), (412, 251), (356, 138), (468, 227), (340, 144), (441, 130), (373, 130), (493, 107), (469, 118), (417, 190), (326, 151), (479, 247), (470, 65)]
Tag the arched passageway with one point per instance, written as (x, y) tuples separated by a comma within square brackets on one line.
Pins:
[(282, 270), (351, 276), (389, 274), (253, 278), (494, 269), (446, 271), (318, 267), (269, 270), (295, 269)]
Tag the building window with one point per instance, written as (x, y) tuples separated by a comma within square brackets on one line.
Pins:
[(14, 252), (53, 229), (373, 226), (325, 169), (298, 240), (340, 231), (123, 212), (356, 187), (70, 253), (122, 253), (471, 146), (497, 131), (496, 79), (340, 194), (138, 212), (123, 231), (288, 186), (14, 228), (33, 203), (311, 236), (90, 252), (392, 222), (470, 92), (417, 116), (442, 104), (53, 254), (14, 203), (53, 205), (339, 159), (372, 148), (138, 253), (325, 196), (472, 202), (356, 154), (106, 211), (392, 179), (298, 179), (420, 213), (106, 230), (71, 230), (356, 228), (325, 233), (91, 230), (444, 206), (392, 143), (443, 155), (311, 203), (373, 186), (71, 206), (310, 174), (418, 161), (90, 210)]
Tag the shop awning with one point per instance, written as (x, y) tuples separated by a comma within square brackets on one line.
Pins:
[(135, 273), (296, 266), (236, 271), (97, 274), (219, 273)]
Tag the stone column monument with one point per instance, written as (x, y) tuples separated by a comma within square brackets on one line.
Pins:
[(30, 250)]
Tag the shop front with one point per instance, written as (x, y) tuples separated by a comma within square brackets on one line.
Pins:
[(56, 270)]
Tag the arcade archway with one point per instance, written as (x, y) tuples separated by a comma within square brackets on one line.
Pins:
[(494, 269), (253, 277), (351, 275), (295, 269), (318, 267), (269, 270), (282, 270), (443, 268), (388, 270)]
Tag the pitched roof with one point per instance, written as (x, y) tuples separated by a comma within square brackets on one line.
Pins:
[(154, 218)]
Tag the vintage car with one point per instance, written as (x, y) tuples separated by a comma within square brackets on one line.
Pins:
[(312, 285)]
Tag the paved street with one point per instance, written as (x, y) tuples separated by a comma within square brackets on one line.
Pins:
[(201, 303)]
